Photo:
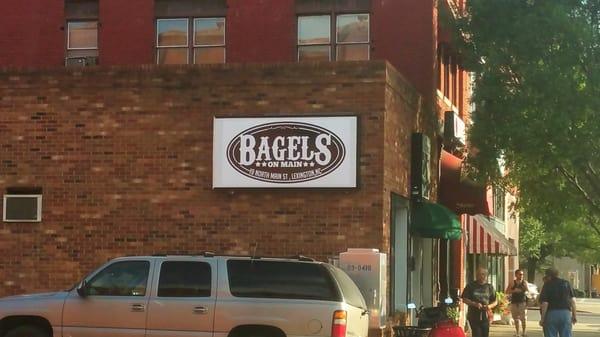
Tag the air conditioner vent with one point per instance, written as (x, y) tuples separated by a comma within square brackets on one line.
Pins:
[(81, 61), (22, 208)]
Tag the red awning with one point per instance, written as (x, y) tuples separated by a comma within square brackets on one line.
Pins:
[(457, 193), (485, 238)]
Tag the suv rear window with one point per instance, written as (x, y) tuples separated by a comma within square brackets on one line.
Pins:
[(280, 279), (352, 294)]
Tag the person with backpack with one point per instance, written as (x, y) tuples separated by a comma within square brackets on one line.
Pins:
[(558, 310), (480, 296), (517, 291)]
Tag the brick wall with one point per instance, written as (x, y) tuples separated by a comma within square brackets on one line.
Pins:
[(32, 33), (123, 155), (124, 38), (403, 32)]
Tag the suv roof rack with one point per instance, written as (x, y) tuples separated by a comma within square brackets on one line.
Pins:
[(298, 257), (304, 258)]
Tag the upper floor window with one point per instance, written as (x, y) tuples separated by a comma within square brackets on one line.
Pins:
[(82, 35), (190, 40), (351, 42), (449, 76), (499, 203), (81, 32)]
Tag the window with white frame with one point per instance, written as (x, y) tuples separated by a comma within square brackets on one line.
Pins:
[(82, 39), (81, 32), (352, 37), (190, 40)]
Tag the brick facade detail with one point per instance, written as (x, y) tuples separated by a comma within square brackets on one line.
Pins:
[(124, 158)]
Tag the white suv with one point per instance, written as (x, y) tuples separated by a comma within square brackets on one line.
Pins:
[(207, 295)]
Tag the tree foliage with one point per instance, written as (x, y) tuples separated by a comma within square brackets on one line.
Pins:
[(537, 73), (538, 241)]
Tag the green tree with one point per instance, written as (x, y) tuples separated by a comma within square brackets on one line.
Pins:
[(537, 242), (537, 72), (533, 245)]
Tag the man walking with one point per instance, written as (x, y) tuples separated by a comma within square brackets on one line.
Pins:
[(558, 311), (480, 296), (517, 291)]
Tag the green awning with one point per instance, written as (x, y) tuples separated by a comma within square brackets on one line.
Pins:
[(435, 221)]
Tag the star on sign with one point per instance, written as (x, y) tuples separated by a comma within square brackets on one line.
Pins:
[(312, 164)]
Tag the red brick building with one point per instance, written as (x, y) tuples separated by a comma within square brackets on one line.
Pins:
[(120, 151)]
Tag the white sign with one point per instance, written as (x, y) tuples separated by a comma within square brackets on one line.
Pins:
[(285, 152)]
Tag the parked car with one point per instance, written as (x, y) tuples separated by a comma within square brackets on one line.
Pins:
[(533, 295), (206, 295)]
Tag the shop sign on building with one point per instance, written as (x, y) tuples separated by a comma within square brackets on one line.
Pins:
[(285, 152)]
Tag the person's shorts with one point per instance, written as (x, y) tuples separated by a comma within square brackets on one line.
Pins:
[(519, 311)]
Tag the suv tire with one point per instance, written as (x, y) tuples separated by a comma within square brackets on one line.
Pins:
[(26, 331)]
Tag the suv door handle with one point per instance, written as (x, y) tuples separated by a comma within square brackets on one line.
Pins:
[(201, 310), (137, 307)]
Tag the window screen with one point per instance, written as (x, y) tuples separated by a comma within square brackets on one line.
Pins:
[(184, 279), (280, 279)]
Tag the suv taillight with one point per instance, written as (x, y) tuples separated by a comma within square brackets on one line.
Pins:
[(338, 328)]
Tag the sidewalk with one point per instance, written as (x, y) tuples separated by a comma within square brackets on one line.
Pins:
[(534, 330), (588, 326)]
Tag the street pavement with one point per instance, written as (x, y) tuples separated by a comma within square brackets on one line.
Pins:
[(588, 316)]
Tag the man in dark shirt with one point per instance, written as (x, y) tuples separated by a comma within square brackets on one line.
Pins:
[(480, 296), (558, 310)]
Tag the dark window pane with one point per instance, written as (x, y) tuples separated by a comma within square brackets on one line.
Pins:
[(314, 30), (190, 8), (328, 6), (209, 55), (314, 53), (83, 34), (172, 56), (352, 52), (127, 278), (209, 32), (81, 9), (353, 28), (273, 279), (184, 279), (21, 208), (314, 6), (172, 32), (352, 5)]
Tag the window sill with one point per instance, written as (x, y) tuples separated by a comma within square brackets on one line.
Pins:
[(447, 101)]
